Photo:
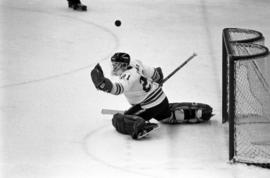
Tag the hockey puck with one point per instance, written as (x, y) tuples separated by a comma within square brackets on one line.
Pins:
[(117, 23)]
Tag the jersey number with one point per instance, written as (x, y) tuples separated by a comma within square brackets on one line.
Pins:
[(146, 86)]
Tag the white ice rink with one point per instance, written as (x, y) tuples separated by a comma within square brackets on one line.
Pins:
[(51, 125)]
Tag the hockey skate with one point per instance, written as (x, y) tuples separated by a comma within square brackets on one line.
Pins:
[(77, 6), (149, 127)]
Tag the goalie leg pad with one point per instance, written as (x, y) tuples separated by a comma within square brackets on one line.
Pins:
[(189, 113), (128, 124)]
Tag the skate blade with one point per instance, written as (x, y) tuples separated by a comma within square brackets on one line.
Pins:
[(80, 9), (145, 133)]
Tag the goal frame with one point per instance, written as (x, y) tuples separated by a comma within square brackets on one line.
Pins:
[(228, 79), (226, 57)]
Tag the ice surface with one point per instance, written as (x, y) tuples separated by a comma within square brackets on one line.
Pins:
[(51, 126)]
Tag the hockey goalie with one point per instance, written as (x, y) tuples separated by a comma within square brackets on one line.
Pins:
[(142, 86)]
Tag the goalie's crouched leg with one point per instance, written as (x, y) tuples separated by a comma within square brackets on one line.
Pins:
[(128, 124)]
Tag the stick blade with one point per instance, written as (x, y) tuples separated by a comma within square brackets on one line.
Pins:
[(111, 111)]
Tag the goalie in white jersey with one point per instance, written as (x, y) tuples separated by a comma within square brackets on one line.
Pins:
[(139, 83), (142, 87)]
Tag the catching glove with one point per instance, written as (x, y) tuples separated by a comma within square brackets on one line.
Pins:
[(101, 82)]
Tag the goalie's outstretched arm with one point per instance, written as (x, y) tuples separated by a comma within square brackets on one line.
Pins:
[(105, 84)]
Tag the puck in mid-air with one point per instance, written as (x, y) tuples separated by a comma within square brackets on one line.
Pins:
[(117, 23)]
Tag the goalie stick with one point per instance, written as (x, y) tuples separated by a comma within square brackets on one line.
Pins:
[(179, 67), (111, 111)]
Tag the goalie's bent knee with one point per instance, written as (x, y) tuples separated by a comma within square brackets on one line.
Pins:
[(128, 124)]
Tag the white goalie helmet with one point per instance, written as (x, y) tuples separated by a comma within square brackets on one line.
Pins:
[(120, 62)]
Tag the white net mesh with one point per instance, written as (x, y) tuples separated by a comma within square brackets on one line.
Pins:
[(240, 35), (252, 105)]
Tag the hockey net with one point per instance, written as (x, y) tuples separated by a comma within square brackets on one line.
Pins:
[(248, 97)]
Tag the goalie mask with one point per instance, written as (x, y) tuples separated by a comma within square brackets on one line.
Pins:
[(120, 62)]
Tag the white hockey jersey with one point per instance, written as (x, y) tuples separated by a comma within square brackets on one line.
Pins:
[(137, 85)]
